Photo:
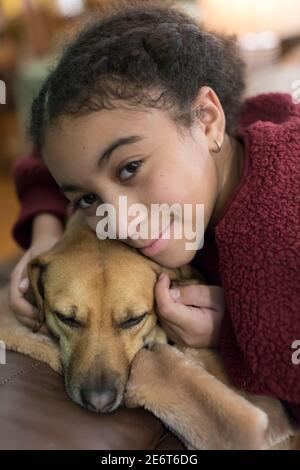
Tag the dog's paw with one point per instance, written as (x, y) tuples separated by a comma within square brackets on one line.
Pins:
[(138, 382), (150, 370)]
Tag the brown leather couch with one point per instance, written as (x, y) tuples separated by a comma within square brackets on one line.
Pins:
[(36, 413)]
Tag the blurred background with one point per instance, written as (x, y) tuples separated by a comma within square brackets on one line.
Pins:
[(32, 30)]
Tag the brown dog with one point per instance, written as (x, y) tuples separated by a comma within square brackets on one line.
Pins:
[(97, 298)]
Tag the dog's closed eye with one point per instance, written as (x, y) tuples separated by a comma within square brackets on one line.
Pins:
[(70, 321), (132, 321)]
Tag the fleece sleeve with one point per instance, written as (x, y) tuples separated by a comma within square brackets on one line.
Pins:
[(38, 193)]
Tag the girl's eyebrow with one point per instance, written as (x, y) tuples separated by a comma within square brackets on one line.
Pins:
[(71, 188), (118, 143)]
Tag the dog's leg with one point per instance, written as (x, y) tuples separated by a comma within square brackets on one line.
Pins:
[(19, 338), (201, 410), (280, 430)]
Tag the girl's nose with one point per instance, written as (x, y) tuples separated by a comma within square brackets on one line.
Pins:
[(129, 216)]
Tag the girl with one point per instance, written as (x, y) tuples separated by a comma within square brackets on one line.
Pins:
[(146, 103)]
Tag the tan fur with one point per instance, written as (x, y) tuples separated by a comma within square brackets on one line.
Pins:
[(190, 391), (103, 281), (21, 339)]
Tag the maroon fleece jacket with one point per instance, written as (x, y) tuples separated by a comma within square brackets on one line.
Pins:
[(253, 253)]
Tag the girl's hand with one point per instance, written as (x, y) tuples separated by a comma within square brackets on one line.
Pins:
[(47, 231), (191, 315)]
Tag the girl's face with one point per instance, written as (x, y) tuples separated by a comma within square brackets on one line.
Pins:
[(155, 164)]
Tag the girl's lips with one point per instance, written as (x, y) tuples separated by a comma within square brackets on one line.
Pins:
[(158, 245)]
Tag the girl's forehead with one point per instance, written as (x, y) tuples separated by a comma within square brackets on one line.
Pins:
[(105, 126)]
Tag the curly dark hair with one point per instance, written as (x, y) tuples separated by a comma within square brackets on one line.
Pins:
[(141, 53)]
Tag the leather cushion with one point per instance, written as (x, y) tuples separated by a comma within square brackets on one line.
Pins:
[(36, 413)]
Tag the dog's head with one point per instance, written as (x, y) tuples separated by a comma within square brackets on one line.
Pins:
[(97, 298)]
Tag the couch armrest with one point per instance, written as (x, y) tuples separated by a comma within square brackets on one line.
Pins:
[(36, 413)]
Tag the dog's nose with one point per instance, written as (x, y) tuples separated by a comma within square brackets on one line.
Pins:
[(100, 401)]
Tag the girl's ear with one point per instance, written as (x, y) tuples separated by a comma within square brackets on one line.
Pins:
[(210, 116)]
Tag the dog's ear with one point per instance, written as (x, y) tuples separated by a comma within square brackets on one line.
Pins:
[(36, 270), (183, 275), (188, 273)]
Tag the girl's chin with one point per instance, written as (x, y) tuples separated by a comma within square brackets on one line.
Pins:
[(173, 257)]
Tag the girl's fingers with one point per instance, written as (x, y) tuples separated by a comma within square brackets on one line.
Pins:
[(25, 312), (44, 329), (14, 292), (201, 296), (19, 284), (24, 284), (30, 323), (167, 307), (22, 307)]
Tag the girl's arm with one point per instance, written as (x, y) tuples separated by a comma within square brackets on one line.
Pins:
[(38, 193), (39, 226), (46, 231), (259, 329)]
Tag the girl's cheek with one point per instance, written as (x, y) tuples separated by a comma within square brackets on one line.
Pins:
[(91, 221)]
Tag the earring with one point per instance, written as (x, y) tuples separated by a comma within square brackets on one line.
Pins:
[(219, 146)]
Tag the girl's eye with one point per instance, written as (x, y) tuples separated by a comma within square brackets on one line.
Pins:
[(129, 169), (86, 201)]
